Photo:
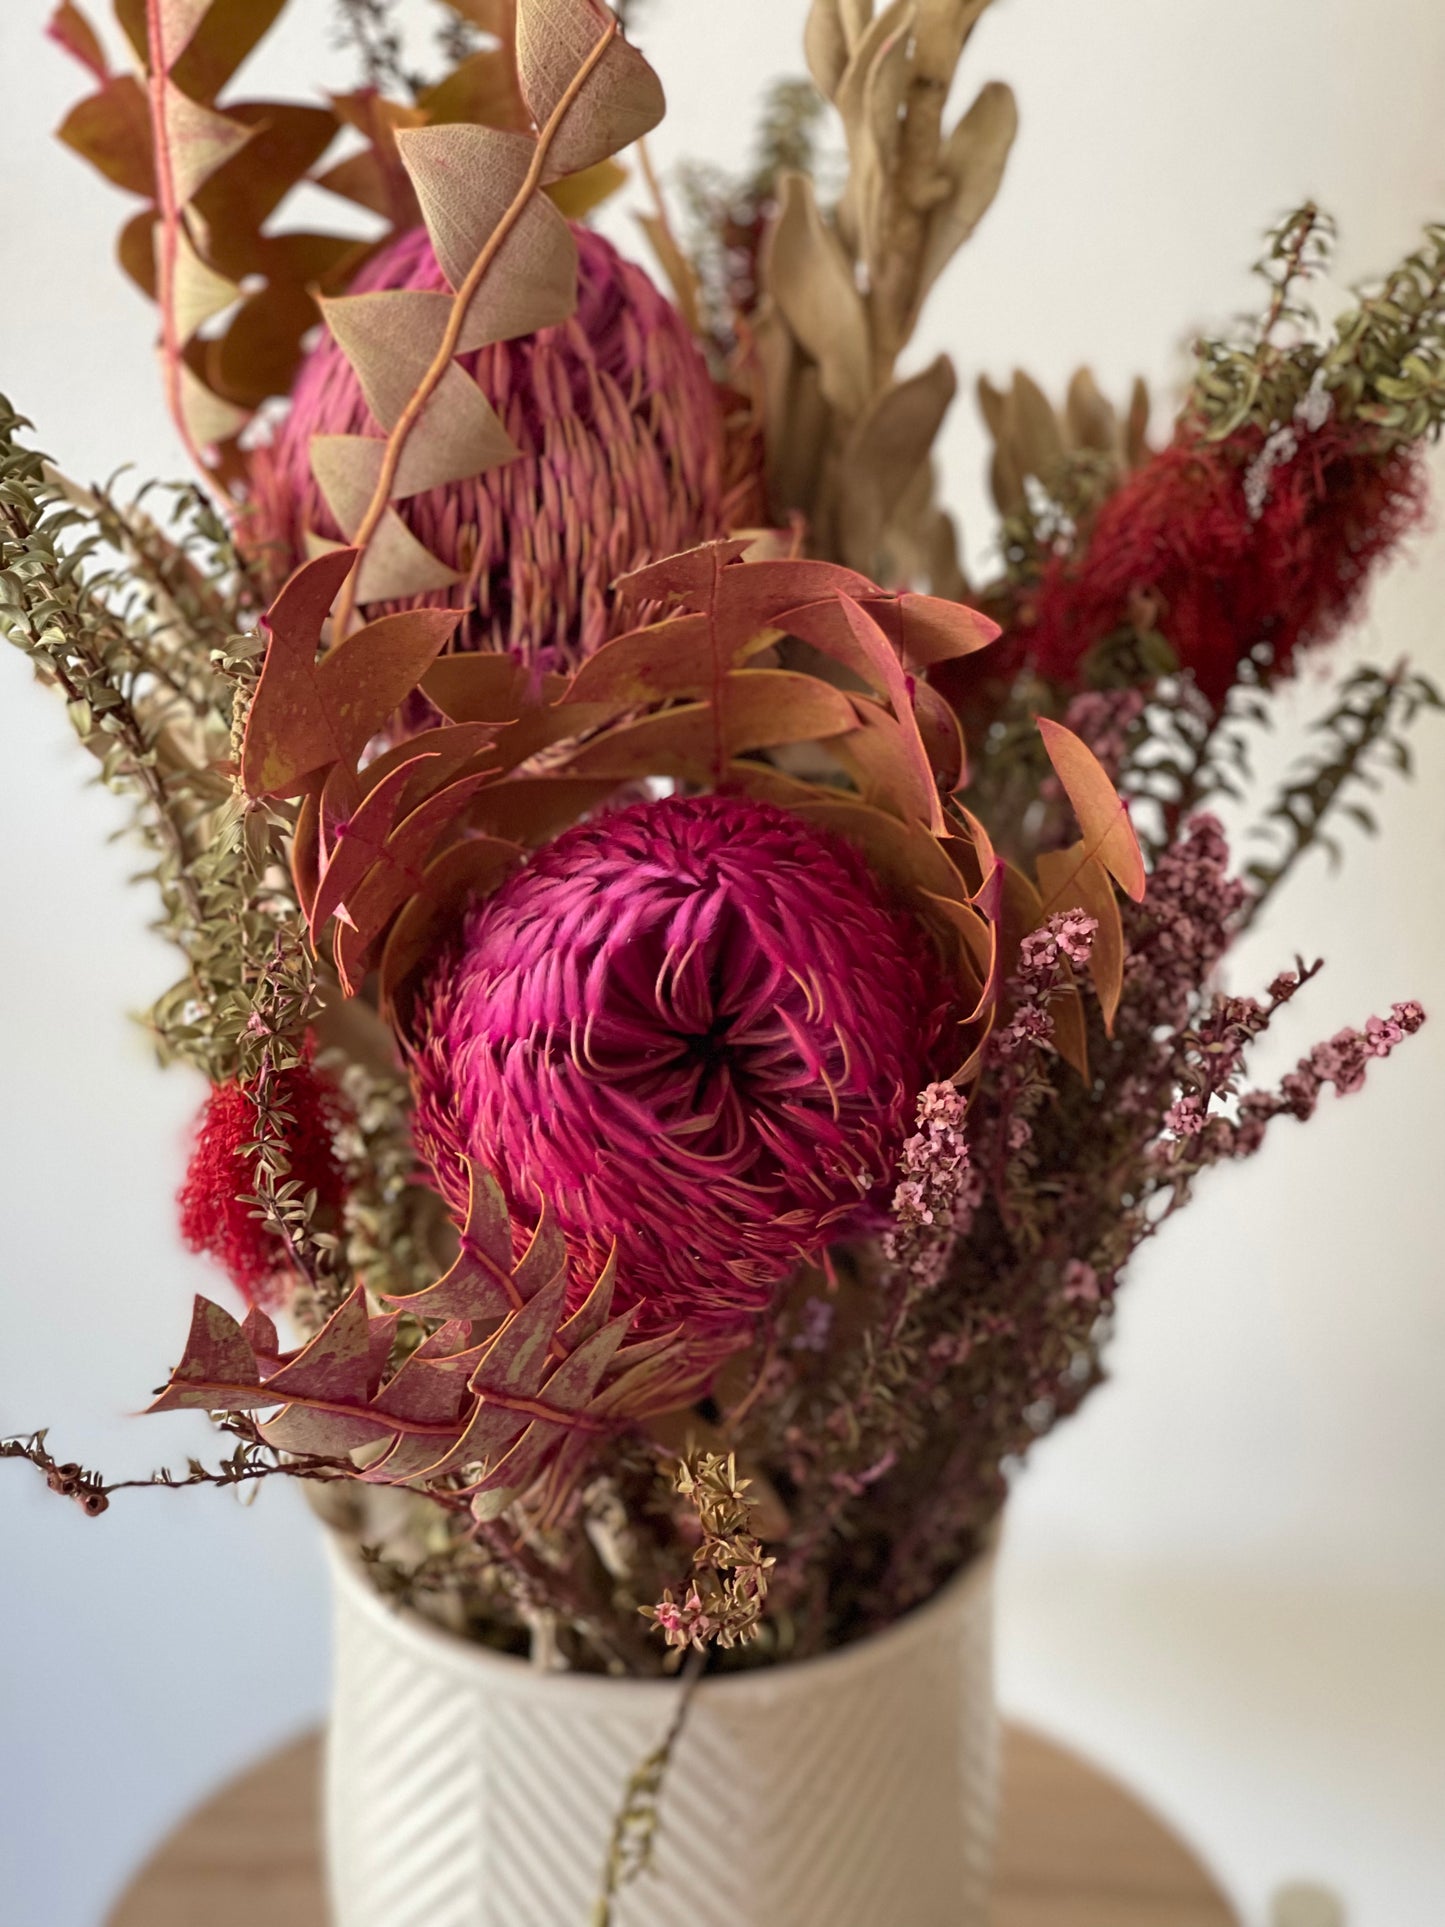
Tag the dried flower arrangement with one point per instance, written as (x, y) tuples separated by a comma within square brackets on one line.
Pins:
[(701, 1002)]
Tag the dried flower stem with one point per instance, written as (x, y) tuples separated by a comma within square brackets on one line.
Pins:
[(634, 1831), (252, 1460)]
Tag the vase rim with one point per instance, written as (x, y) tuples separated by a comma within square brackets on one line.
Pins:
[(967, 1591)]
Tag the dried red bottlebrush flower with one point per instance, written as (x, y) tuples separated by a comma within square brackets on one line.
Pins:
[(1234, 550), (625, 456), (215, 1219), (694, 1026)]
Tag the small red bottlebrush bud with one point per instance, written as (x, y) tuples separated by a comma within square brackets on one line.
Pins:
[(1230, 554), (216, 1217)]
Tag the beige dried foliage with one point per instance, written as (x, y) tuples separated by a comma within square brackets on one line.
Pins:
[(1070, 453), (849, 443)]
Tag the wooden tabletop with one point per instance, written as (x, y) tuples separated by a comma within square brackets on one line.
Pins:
[(1075, 1850)]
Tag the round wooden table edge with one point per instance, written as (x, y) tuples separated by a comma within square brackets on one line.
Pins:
[(1075, 1849)]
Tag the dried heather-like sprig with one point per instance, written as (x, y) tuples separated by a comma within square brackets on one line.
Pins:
[(938, 1190)]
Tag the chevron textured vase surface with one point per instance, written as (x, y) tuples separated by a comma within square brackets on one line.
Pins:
[(465, 1789)]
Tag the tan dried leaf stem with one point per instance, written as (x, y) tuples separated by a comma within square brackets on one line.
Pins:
[(446, 351), (168, 240), (849, 443)]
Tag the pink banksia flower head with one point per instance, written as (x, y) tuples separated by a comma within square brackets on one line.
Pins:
[(696, 1027), (626, 455)]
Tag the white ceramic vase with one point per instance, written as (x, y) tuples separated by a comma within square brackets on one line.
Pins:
[(468, 1789)]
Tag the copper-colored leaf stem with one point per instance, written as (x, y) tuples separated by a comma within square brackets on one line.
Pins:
[(168, 241), (442, 360)]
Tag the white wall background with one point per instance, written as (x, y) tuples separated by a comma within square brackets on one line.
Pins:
[(1227, 1578)]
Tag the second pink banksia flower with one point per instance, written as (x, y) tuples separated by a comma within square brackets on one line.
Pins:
[(695, 1027), (625, 455)]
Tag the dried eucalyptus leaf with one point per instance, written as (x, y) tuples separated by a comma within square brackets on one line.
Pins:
[(390, 339), (112, 130), (219, 42), (466, 179), (397, 566), (199, 291), (70, 29), (458, 435), (199, 139), (482, 89), (347, 469), (177, 21), (577, 195), (620, 101), (209, 418)]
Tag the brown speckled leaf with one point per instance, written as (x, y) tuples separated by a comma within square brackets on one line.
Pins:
[(218, 1368), (751, 709), (307, 715), (505, 1380)]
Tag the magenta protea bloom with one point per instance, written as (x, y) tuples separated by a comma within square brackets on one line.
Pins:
[(623, 440), (695, 1027)]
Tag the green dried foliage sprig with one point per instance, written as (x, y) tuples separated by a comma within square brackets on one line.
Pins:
[(369, 29), (374, 32), (1387, 362), (129, 681), (1185, 752), (393, 1222), (1360, 740), (1383, 363), (726, 215), (156, 688)]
